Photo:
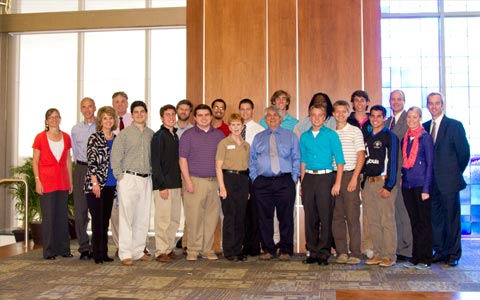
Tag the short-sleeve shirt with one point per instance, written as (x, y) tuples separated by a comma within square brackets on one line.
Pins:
[(234, 156)]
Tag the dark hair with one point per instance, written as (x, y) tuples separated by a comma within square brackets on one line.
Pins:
[(106, 110), (278, 94), (201, 106), (436, 94), (120, 94), (219, 100), (362, 94), (329, 108), (138, 103), (186, 102), (165, 107), (246, 100), (379, 108), (401, 93)]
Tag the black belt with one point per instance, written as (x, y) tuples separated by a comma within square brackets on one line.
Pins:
[(137, 174), (278, 176), (348, 171), (244, 172), (79, 162)]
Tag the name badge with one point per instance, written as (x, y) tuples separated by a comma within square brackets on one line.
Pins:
[(231, 147)]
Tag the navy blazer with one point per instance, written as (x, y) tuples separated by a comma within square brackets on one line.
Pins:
[(451, 155)]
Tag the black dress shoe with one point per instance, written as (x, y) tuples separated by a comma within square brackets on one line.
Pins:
[(107, 259), (50, 257), (310, 260), (438, 258), (452, 262), (403, 258), (85, 255), (68, 255), (323, 261), (231, 257), (242, 257), (99, 261)]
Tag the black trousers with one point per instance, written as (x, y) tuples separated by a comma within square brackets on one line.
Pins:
[(318, 205), (446, 224), (420, 213), (101, 209), (251, 242), (56, 239), (234, 208), (275, 193)]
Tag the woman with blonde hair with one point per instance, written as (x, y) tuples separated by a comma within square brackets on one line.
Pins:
[(100, 184)]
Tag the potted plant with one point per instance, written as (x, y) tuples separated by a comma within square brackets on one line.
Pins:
[(25, 171)]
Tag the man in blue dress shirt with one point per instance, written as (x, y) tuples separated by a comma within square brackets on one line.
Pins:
[(274, 170)]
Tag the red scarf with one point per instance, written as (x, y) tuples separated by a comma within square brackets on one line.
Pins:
[(409, 160)]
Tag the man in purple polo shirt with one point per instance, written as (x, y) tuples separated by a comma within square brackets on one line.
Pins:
[(198, 147)]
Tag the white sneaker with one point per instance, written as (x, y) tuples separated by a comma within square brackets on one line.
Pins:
[(409, 265)]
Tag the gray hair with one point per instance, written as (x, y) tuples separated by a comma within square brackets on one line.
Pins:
[(275, 109)]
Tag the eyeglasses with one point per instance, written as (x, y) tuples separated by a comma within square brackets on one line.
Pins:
[(54, 118), (219, 107)]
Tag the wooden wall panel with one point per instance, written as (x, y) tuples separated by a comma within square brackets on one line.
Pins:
[(195, 51), (329, 49), (282, 64), (235, 59), (372, 46)]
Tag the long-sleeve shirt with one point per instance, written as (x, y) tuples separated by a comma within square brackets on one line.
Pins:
[(318, 151), (80, 134), (381, 157), (421, 173), (131, 151), (98, 157), (288, 151), (165, 166)]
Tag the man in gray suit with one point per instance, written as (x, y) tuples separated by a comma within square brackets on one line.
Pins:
[(398, 124)]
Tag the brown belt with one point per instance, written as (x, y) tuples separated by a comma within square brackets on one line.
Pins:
[(377, 178)]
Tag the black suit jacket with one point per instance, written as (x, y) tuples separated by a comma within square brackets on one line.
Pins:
[(451, 155)]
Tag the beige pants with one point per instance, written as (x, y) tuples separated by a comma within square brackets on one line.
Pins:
[(202, 209), (167, 220), (380, 213)]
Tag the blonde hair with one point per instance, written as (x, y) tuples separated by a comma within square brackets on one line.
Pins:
[(106, 110)]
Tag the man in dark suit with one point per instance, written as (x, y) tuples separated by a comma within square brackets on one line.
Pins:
[(452, 154), (398, 124)]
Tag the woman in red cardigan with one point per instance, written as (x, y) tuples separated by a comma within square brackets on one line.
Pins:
[(52, 167)]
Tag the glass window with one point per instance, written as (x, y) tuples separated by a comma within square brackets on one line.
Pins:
[(114, 61), (48, 78), (169, 3), (408, 6), (113, 4), (168, 78), (461, 5), (36, 6)]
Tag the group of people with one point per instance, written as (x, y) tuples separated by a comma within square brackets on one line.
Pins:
[(406, 175)]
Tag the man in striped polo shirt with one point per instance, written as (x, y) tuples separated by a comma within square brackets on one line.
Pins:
[(347, 203), (198, 147)]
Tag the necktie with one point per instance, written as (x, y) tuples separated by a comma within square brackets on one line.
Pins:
[(434, 131), (274, 162), (122, 126), (244, 131), (392, 124)]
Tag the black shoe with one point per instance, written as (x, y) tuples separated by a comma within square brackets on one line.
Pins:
[(310, 260), (107, 259), (403, 258), (439, 258), (99, 261), (323, 261), (452, 262), (231, 257), (242, 258), (50, 257), (85, 255), (146, 251), (68, 255)]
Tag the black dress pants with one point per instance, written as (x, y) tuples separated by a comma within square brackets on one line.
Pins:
[(101, 209)]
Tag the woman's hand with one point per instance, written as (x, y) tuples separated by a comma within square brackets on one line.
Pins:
[(425, 196), (96, 190), (38, 187)]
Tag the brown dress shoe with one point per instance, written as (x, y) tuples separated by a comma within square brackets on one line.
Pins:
[(173, 255), (145, 258), (163, 258), (266, 256)]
